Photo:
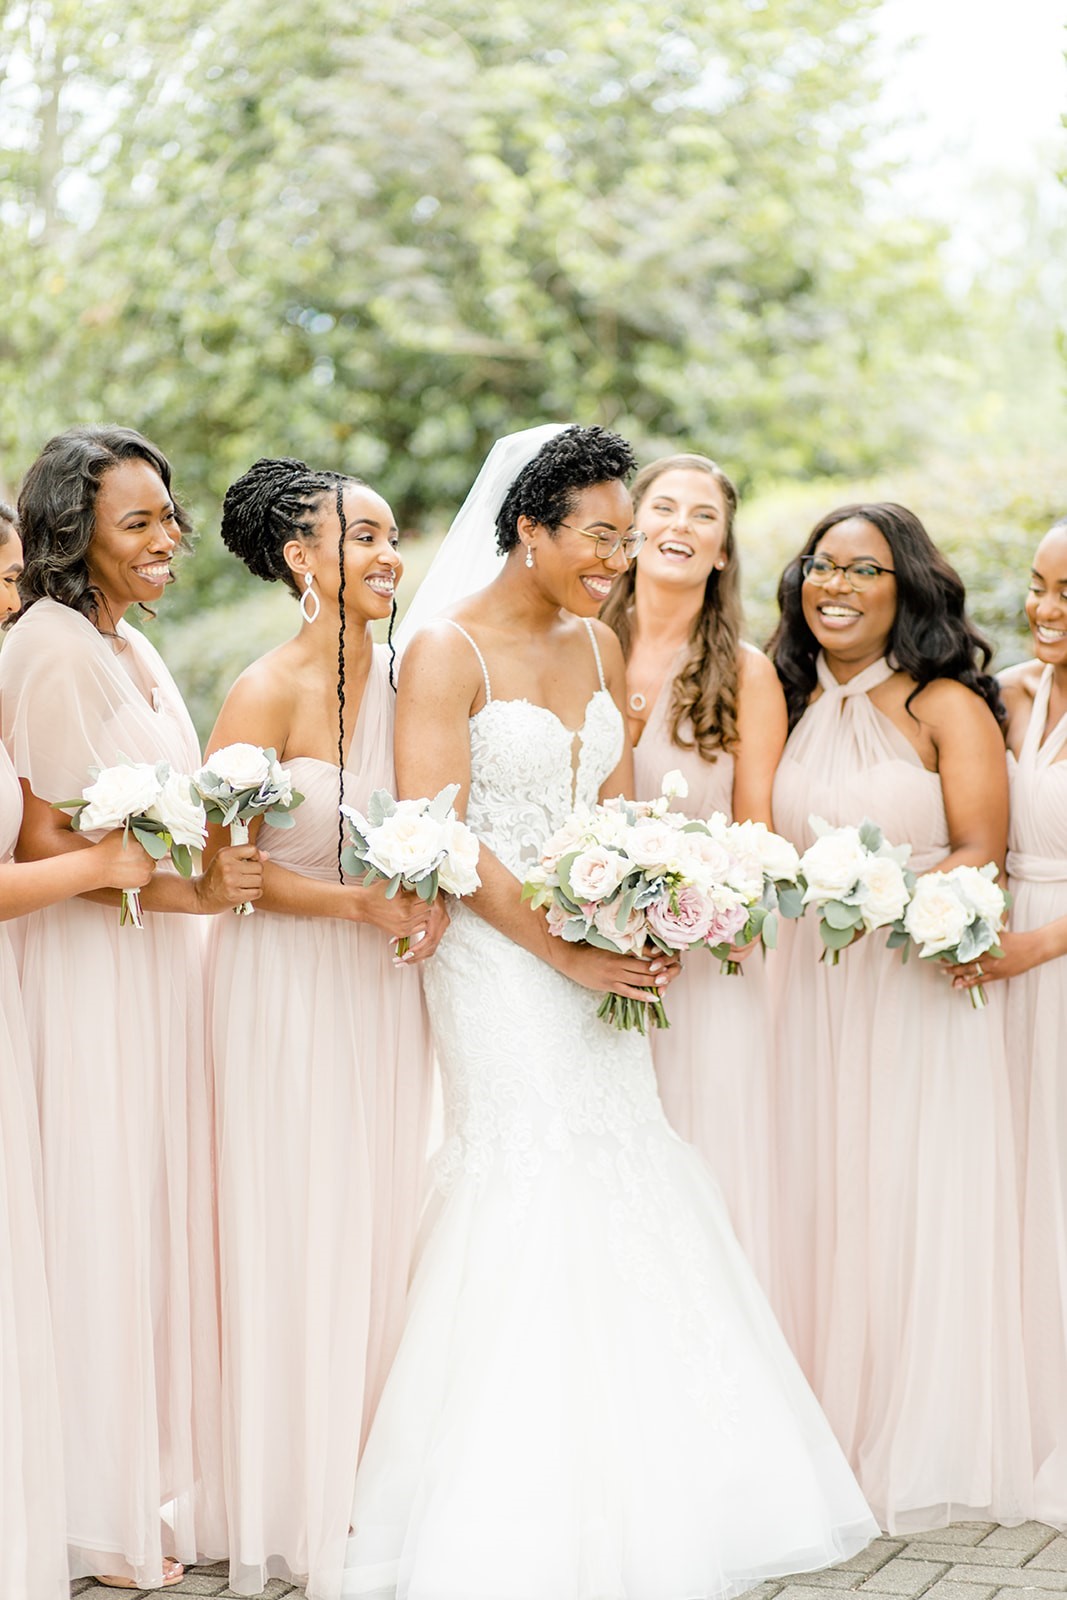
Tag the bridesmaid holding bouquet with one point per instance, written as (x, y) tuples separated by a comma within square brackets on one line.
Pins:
[(114, 1017), (321, 1049), (898, 1209), (704, 702), (1035, 960)]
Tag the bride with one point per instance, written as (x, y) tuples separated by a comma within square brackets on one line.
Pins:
[(591, 1400)]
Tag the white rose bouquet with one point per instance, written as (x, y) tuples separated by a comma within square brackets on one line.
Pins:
[(955, 916), (857, 882), (764, 871), (241, 782), (419, 845), (159, 807), (632, 877)]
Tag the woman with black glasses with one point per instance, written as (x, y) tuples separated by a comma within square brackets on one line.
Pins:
[(898, 1229)]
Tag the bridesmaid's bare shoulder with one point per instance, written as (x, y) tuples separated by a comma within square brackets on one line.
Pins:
[(1019, 684), (759, 689)]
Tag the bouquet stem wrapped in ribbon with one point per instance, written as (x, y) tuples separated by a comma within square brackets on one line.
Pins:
[(955, 916), (159, 807), (242, 782), (417, 845)]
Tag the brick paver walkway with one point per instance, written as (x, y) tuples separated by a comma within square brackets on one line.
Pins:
[(969, 1561)]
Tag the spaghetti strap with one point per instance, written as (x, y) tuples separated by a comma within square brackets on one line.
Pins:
[(481, 658), (596, 651)]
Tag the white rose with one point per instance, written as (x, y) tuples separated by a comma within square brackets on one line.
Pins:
[(674, 786), (832, 865), (180, 811), (596, 873), (406, 843), (704, 860), (979, 890), (654, 844), (242, 766), (777, 857), (117, 793), (883, 892), (936, 916), (458, 872)]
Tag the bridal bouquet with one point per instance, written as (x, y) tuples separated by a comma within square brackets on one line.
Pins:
[(857, 883), (242, 782), (419, 845), (634, 877), (955, 916), (763, 870), (159, 807)]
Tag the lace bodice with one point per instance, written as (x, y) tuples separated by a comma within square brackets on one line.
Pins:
[(529, 770)]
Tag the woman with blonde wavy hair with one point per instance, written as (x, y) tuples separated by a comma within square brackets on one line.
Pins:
[(701, 700)]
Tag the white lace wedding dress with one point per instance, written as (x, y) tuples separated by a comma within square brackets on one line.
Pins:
[(592, 1400)]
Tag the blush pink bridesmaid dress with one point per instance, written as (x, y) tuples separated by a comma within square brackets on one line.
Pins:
[(1036, 1033), (897, 1202), (712, 1063), (33, 1552), (323, 1071), (116, 1027)]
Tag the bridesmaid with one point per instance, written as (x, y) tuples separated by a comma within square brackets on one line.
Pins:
[(1035, 959), (701, 700), (898, 1212), (322, 1055), (115, 1024)]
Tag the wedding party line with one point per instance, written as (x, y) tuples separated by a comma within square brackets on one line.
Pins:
[(563, 1104)]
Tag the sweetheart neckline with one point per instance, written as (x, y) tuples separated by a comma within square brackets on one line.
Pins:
[(522, 700)]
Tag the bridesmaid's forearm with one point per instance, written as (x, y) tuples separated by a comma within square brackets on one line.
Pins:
[(27, 886), (1052, 940), (296, 896)]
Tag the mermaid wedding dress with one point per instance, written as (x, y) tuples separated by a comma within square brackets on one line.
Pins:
[(592, 1399)]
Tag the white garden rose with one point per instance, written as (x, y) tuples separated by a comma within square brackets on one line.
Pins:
[(655, 844), (405, 843), (458, 872), (596, 873), (704, 860), (241, 766), (883, 892), (936, 916), (832, 865), (118, 793), (180, 811), (979, 890), (777, 857)]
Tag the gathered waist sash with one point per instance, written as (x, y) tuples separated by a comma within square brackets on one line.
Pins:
[(1036, 869)]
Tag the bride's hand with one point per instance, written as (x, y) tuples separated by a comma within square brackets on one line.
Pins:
[(606, 972)]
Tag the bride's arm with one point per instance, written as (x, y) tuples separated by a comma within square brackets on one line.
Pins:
[(440, 684)]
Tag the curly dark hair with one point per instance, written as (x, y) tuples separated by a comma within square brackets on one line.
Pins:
[(932, 635), (705, 691), (9, 522), (276, 500), (547, 488), (57, 514)]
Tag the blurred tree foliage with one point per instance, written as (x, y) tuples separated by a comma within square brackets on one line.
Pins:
[(378, 234)]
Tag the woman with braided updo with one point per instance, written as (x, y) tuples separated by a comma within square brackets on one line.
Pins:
[(701, 700), (115, 1021), (322, 1056)]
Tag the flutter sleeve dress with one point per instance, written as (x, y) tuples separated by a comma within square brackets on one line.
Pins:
[(897, 1209), (323, 1072), (33, 1552), (115, 1020)]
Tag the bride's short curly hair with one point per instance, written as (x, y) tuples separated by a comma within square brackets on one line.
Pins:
[(547, 488)]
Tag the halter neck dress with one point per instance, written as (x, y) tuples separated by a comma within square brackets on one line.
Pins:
[(898, 1216), (33, 1551), (1036, 1034), (323, 1071), (712, 1063)]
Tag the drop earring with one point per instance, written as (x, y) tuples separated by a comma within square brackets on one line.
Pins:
[(529, 555), (309, 600)]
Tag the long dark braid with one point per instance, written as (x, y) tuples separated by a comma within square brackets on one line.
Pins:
[(392, 647), (341, 678)]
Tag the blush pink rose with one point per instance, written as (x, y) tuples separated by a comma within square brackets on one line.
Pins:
[(725, 923), (687, 925)]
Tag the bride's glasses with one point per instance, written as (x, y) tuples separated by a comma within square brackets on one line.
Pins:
[(607, 544), (857, 574)]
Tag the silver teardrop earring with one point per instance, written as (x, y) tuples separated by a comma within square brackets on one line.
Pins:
[(529, 555), (309, 600)]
